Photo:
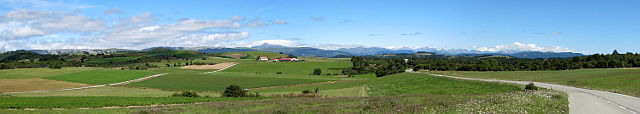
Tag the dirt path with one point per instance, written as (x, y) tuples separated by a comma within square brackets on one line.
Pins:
[(584, 101), (216, 66), (225, 66), (87, 87)]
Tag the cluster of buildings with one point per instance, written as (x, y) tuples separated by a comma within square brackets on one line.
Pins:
[(278, 60)]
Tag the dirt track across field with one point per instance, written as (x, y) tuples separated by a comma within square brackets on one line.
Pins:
[(216, 66)]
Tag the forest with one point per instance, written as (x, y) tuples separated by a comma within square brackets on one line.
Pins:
[(390, 65)]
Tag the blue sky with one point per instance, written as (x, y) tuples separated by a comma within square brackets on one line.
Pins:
[(493, 26)]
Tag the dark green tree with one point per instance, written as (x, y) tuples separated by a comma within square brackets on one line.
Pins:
[(234, 91), (317, 71)]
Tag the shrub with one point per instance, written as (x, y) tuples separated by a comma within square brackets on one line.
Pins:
[(234, 91), (278, 72), (186, 94), (530, 86), (317, 71), (306, 91)]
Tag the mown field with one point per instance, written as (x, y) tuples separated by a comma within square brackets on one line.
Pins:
[(102, 76), (624, 81), (516, 102), (190, 79), (93, 102)]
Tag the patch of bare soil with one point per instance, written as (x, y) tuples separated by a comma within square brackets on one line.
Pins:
[(237, 56), (216, 66), (293, 85), (35, 84)]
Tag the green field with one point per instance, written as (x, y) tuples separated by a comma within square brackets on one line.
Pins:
[(189, 79), (24, 73), (83, 102), (253, 54), (402, 84), (102, 91), (184, 54), (518, 102), (365, 93), (624, 81), (115, 59), (102, 76)]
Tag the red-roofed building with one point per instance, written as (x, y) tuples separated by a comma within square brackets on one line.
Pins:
[(263, 58)]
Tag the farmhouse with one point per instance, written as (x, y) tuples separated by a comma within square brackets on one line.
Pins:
[(286, 60), (263, 58)]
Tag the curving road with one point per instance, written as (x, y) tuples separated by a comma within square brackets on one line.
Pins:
[(585, 101)]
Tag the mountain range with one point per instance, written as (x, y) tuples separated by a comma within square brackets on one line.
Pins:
[(343, 52)]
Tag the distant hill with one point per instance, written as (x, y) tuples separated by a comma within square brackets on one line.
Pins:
[(315, 52), (22, 55), (529, 54)]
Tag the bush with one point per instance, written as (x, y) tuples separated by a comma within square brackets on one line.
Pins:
[(234, 91), (317, 71), (530, 86), (186, 94), (278, 72), (306, 91)]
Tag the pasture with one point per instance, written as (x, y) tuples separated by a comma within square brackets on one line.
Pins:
[(624, 81), (102, 76)]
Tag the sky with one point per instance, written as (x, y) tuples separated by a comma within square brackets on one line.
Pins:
[(581, 26)]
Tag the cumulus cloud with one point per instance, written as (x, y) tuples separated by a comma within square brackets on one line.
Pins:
[(115, 10), (38, 23), (279, 21), (255, 23), (237, 18), (317, 18), (24, 15), (519, 47), (336, 46), (281, 42)]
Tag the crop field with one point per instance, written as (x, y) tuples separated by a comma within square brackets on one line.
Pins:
[(253, 54), (89, 102), (35, 84), (401, 84), (115, 59), (184, 54), (24, 73), (102, 76), (518, 102), (624, 81), (102, 91), (192, 79), (298, 68)]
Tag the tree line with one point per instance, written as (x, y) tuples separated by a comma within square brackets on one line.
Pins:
[(382, 66)]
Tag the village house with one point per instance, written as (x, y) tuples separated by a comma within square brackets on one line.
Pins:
[(263, 58), (286, 60)]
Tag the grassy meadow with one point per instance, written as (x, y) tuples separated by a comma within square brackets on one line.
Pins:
[(102, 76), (365, 93), (624, 81)]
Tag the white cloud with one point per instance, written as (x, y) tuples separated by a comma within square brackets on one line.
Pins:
[(281, 42), (336, 46), (255, 23), (37, 23), (237, 18), (279, 21), (519, 47), (115, 10), (23, 15), (317, 18)]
